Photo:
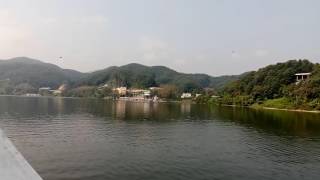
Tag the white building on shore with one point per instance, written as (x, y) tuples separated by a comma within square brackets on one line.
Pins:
[(301, 77), (186, 96)]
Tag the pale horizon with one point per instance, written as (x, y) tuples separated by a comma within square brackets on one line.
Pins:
[(212, 37), (44, 61)]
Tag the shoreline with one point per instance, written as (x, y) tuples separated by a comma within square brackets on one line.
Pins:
[(271, 108), (176, 101), (290, 110)]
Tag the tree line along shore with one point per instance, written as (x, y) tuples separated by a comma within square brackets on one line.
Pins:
[(294, 84)]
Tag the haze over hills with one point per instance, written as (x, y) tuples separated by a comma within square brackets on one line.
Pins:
[(137, 75), (38, 74)]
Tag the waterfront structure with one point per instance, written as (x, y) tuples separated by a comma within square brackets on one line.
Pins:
[(135, 92), (301, 77), (155, 88), (139, 93), (186, 95), (45, 91), (147, 93), (121, 91), (32, 95), (155, 99)]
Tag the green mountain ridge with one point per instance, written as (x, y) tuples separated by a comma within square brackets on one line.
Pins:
[(137, 75), (24, 70), (36, 73)]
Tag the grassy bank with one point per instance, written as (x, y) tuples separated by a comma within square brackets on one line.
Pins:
[(290, 104), (278, 103)]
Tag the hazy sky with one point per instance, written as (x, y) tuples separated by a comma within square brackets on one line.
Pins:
[(209, 36)]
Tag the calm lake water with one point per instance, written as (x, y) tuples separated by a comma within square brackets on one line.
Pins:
[(82, 139)]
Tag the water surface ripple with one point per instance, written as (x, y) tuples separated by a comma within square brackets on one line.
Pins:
[(81, 139)]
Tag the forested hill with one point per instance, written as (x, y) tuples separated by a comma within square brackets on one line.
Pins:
[(137, 75), (26, 73), (278, 82), (31, 72)]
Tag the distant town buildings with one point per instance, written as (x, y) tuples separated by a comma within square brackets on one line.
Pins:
[(138, 93), (147, 93), (135, 94), (121, 91), (155, 88), (32, 95), (186, 95), (45, 91)]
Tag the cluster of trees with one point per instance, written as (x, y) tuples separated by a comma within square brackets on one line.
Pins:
[(276, 82), (7, 88), (268, 82), (307, 93)]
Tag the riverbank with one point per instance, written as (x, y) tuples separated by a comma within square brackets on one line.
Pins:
[(266, 105), (283, 109), (259, 107), (281, 104), (285, 104)]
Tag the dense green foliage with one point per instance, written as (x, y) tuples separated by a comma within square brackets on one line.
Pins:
[(5, 86), (136, 75), (268, 82), (275, 86), (280, 103)]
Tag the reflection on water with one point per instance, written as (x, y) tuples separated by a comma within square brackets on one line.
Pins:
[(96, 139)]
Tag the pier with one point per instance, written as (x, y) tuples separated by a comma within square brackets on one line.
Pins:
[(13, 165)]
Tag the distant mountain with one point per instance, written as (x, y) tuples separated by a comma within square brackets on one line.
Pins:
[(23, 70), (137, 75)]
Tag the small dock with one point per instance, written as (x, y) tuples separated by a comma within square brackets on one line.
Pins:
[(13, 165)]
